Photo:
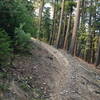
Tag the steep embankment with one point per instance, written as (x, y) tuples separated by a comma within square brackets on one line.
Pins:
[(32, 77), (76, 79), (49, 74)]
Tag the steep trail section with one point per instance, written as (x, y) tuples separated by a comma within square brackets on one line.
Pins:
[(62, 73), (32, 76), (86, 82), (75, 80)]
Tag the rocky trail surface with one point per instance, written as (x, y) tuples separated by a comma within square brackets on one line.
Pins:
[(51, 74), (76, 80)]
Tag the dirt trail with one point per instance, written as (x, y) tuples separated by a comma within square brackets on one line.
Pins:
[(50, 74), (76, 80)]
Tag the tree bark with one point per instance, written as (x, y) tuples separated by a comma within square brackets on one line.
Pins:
[(98, 54), (72, 46), (53, 26), (40, 16), (60, 23), (89, 51), (67, 32)]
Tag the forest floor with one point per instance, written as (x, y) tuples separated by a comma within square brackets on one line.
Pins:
[(76, 80), (51, 74)]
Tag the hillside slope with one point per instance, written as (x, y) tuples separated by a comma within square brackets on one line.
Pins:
[(49, 74)]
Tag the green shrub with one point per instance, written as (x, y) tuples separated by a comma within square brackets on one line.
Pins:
[(5, 49), (15, 12), (4, 87), (22, 40), (3, 75), (25, 86)]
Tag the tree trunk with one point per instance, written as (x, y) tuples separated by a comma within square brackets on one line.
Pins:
[(53, 26), (67, 32), (83, 12), (72, 46), (98, 54), (89, 51), (60, 23), (40, 16)]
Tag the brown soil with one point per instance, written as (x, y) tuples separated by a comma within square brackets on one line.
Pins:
[(50, 74), (38, 70)]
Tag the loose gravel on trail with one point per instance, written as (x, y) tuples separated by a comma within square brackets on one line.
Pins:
[(75, 80)]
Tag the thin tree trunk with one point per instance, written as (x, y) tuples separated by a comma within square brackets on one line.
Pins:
[(82, 24), (53, 26), (98, 54), (60, 23), (67, 32), (94, 34), (40, 16), (83, 12), (72, 46), (89, 51), (64, 30)]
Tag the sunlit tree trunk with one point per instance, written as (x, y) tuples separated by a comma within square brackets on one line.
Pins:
[(67, 32), (83, 12), (73, 40), (82, 24), (60, 23), (89, 42), (55, 22), (64, 28), (53, 25)]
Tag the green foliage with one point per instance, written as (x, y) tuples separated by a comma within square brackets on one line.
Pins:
[(22, 40), (46, 24), (91, 9), (5, 49), (4, 87), (23, 83), (13, 13), (83, 37), (69, 6), (35, 26), (25, 86), (58, 6), (3, 75)]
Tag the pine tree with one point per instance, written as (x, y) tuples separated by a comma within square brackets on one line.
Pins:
[(5, 49), (76, 23), (60, 23)]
